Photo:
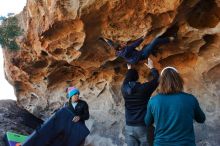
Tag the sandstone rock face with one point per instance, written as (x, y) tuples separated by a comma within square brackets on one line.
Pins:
[(60, 47)]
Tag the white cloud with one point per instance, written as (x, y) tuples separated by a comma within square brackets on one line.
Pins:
[(6, 90), (11, 6)]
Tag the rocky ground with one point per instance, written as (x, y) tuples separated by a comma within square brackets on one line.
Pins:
[(15, 119)]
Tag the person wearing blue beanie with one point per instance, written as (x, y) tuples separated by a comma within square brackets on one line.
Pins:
[(66, 127), (71, 91), (77, 106)]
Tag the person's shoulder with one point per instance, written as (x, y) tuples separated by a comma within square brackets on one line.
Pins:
[(83, 102), (155, 98), (187, 95), (66, 104)]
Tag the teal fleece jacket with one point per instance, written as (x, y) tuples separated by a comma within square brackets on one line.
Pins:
[(173, 115)]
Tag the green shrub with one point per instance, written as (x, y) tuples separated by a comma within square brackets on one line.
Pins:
[(9, 30)]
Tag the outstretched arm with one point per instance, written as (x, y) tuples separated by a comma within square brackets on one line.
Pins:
[(136, 43), (151, 86), (154, 71), (126, 80)]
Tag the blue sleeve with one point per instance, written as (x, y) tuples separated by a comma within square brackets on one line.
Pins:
[(151, 86), (155, 74), (199, 114), (149, 117), (119, 53), (155, 81), (137, 42), (134, 45)]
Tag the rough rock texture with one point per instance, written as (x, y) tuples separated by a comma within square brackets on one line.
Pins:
[(60, 47), (12, 119)]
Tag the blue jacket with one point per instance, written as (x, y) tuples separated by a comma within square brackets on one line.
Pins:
[(173, 115), (136, 96), (59, 130), (129, 53)]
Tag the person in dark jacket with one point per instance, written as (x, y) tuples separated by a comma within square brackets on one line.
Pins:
[(77, 106), (173, 111), (66, 127), (130, 54), (136, 96)]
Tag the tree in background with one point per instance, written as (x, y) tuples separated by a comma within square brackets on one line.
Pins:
[(2, 18), (9, 30)]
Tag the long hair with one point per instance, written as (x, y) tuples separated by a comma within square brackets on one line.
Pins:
[(170, 81)]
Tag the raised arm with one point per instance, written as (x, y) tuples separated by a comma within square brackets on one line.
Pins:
[(151, 86), (136, 43), (127, 75)]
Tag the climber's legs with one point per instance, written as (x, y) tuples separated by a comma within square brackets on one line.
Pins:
[(148, 49)]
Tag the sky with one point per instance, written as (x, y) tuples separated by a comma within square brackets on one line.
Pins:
[(8, 6)]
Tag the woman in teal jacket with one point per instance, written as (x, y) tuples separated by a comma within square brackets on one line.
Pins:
[(173, 111)]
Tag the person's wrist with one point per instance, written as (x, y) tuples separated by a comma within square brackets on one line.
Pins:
[(128, 66)]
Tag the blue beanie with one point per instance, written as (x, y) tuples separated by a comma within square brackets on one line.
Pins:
[(72, 91)]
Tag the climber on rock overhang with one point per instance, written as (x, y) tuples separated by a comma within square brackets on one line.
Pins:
[(66, 127), (133, 56)]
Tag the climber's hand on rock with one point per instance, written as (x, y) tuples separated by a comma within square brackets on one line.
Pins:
[(76, 119), (129, 66), (149, 64)]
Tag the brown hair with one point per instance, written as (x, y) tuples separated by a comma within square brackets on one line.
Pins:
[(170, 82)]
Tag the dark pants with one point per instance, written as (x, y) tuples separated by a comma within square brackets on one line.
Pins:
[(83, 143), (136, 135), (150, 135), (147, 50)]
